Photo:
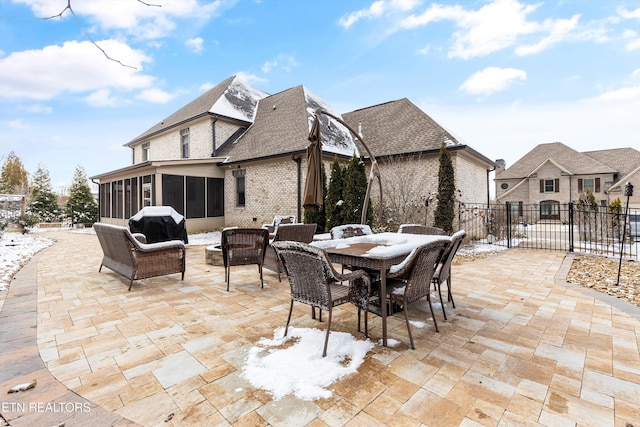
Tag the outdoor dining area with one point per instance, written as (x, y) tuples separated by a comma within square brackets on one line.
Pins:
[(520, 346)]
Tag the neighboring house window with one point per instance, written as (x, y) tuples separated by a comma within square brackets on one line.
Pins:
[(516, 209), (240, 186), (145, 152), (592, 184), (549, 185), (550, 209), (184, 141)]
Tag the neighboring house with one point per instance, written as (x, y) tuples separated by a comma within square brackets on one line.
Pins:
[(554, 174), (235, 156)]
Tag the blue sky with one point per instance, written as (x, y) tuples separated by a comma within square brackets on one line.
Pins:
[(502, 75)]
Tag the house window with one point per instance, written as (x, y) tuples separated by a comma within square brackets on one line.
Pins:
[(184, 142), (549, 185), (587, 184), (592, 184), (240, 186), (145, 152)]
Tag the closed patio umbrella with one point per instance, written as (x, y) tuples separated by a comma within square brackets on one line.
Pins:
[(313, 199)]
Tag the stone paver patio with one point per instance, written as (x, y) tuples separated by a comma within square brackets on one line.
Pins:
[(521, 347)]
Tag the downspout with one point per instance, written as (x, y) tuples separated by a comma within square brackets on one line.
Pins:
[(298, 160)]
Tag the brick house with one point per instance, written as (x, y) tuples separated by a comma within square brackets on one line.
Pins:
[(554, 174), (237, 156)]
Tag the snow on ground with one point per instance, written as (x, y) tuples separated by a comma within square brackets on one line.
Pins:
[(16, 249)]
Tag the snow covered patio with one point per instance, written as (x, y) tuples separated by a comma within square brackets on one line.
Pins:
[(521, 347)]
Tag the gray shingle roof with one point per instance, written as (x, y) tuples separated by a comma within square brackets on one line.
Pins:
[(624, 160), (398, 127), (573, 161), (230, 98)]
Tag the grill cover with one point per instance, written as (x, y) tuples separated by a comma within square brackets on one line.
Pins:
[(159, 224)]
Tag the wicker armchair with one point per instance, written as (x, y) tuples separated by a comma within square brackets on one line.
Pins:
[(421, 229), (411, 280), (287, 233), (443, 271), (243, 246), (128, 255), (315, 282), (277, 220)]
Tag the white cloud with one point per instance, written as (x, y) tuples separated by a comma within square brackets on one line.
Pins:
[(282, 62), (101, 98), (559, 30), (497, 25), (195, 44), (632, 39), (156, 96), (377, 9), (250, 78), (491, 80), (17, 124), (629, 14), (626, 93), (73, 67), (37, 109), (510, 131)]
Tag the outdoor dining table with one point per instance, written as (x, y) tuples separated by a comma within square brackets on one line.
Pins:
[(377, 252)]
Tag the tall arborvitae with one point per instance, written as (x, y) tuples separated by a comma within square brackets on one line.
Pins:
[(81, 206), (445, 209), (355, 190), (334, 199), (320, 217), (43, 201)]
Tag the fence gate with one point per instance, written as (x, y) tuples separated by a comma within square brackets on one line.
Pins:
[(550, 226)]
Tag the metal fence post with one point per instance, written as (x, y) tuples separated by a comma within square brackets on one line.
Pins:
[(570, 226), (508, 225)]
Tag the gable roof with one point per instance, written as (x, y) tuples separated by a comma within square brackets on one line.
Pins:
[(281, 126), (398, 127), (564, 157), (232, 98)]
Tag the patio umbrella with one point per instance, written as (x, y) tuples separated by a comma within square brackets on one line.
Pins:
[(313, 199)]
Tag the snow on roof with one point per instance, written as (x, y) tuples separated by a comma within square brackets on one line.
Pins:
[(335, 137), (238, 101)]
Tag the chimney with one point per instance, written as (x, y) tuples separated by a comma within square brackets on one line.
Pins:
[(501, 165)]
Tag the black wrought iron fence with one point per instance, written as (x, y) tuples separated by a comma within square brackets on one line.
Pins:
[(562, 227)]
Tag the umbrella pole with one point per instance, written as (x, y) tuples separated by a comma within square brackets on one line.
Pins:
[(374, 165)]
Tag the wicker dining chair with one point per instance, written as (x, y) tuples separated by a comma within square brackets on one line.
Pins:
[(421, 229), (243, 246), (287, 232), (315, 282), (411, 279), (443, 270)]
